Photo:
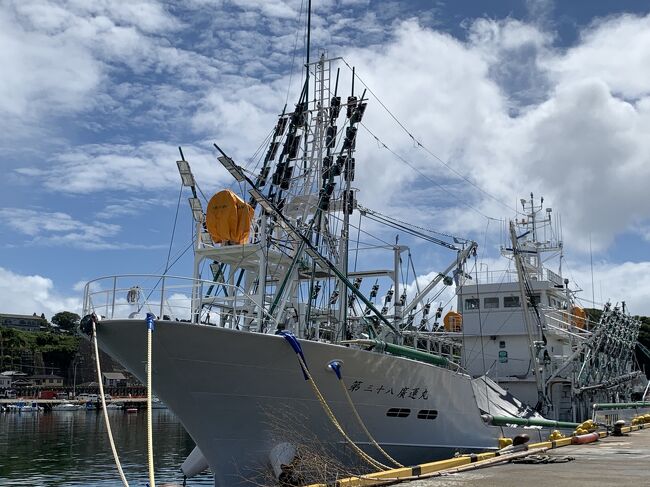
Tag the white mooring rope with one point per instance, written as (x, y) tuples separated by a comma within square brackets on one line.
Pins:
[(106, 420)]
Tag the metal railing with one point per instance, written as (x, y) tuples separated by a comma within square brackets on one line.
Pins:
[(501, 276), (183, 299)]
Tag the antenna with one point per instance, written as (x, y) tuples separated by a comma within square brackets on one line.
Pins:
[(591, 263), (308, 33)]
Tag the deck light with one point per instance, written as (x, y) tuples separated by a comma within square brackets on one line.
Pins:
[(186, 173), (197, 210)]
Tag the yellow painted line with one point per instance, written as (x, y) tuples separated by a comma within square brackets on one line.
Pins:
[(444, 464), (543, 444), (562, 442)]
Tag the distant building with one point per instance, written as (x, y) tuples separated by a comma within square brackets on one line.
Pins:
[(46, 380), (114, 379), (22, 322), (13, 377)]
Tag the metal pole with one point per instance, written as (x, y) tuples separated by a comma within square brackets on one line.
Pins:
[(114, 290), (162, 298)]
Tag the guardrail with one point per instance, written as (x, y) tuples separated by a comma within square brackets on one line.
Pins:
[(131, 296)]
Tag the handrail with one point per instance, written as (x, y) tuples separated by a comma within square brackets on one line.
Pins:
[(166, 295)]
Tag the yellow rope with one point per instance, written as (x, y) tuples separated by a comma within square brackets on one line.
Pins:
[(152, 482), (363, 426), (371, 461), (106, 420)]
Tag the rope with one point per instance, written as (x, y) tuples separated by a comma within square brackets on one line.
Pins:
[(295, 345), (336, 368), (150, 326), (101, 394), (371, 461)]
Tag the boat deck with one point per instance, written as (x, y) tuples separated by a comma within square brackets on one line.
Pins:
[(612, 461)]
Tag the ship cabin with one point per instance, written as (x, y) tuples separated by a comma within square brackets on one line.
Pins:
[(496, 338)]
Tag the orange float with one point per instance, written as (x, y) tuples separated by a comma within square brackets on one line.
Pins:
[(453, 321), (228, 218)]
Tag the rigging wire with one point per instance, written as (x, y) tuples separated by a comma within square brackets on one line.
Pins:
[(424, 175), (414, 233), (424, 229), (295, 49), (171, 241), (426, 149), (356, 252)]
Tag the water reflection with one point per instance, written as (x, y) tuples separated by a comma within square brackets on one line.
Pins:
[(64, 448)]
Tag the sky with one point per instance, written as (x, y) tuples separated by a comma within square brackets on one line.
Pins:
[(475, 105)]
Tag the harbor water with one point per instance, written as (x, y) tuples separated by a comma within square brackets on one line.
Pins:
[(66, 449)]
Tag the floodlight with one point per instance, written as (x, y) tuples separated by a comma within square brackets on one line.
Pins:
[(197, 209), (186, 173), (232, 168)]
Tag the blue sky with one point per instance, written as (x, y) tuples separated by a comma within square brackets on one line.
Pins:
[(516, 96)]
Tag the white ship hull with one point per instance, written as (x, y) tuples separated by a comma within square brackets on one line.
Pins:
[(226, 387)]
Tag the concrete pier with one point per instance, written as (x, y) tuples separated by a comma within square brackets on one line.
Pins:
[(610, 462)]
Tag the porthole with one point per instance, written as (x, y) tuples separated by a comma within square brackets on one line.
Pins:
[(427, 414), (398, 412)]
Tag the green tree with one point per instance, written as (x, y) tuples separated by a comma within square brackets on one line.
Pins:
[(66, 320)]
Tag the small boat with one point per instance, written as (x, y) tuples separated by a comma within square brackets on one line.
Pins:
[(23, 407), (131, 410), (67, 406), (90, 406), (115, 405)]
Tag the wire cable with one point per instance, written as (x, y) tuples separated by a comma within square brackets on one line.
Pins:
[(422, 146)]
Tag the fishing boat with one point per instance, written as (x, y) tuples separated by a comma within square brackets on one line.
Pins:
[(281, 303), (285, 345)]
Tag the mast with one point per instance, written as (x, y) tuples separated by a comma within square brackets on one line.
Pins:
[(521, 274), (308, 46)]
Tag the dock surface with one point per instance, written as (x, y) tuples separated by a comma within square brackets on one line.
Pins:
[(610, 462)]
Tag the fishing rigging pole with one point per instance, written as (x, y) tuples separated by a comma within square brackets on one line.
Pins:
[(305, 243)]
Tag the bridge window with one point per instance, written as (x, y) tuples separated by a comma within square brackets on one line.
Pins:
[(491, 303), (511, 302), (472, 303)]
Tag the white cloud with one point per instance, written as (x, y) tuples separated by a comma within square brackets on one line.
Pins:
[(60, 229), (615, 282), (24, 294), (64, 57), (42, 72), (150, 167), (616, 51), (580, 145)]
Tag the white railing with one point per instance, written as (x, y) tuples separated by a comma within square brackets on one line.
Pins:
[(485, 276), (494, 277), (173, 298)]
